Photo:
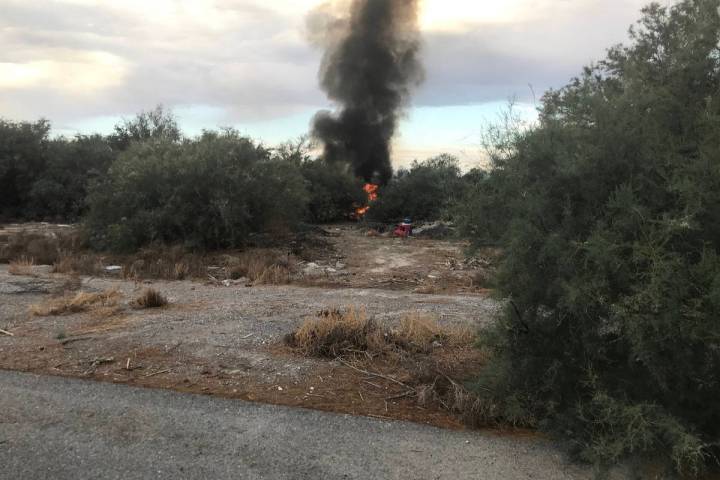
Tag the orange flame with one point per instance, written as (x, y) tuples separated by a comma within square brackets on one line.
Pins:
[(372, 192)]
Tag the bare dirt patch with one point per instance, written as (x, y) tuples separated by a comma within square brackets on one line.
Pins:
[(225, 337)]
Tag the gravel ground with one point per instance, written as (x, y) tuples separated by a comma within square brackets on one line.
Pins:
[(70, 429), (209, 321)]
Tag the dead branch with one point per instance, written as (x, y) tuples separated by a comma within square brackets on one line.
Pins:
[(157, 373), (402, 395), (374, 374)]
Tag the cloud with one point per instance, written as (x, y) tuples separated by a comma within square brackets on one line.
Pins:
[(545, 46), (70, 60)]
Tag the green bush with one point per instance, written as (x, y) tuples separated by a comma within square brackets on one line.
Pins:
[(23, 154), (425, 191), (211, 192), (157, 124), (609, 214), (334, 191), (59, 191)]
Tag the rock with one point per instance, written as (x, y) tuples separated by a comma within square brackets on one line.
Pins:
[(340, 266), (312, 269), (113, 269)]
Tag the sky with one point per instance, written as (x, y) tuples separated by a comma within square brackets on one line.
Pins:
[(250, 64)]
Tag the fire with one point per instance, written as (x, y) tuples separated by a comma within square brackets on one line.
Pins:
[(372, 193)]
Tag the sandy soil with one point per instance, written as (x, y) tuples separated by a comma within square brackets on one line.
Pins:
[(227, 340)]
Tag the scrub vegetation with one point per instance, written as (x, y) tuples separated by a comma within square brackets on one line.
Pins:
[(605, 216)]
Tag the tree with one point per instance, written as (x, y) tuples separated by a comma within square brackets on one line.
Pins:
[(23, 154), (59, 191), (158, 124), (211, 192), (611, 268), (425, 191)]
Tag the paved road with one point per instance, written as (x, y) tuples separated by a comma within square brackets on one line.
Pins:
[(54, 428)]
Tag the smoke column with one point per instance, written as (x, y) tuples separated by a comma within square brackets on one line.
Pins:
[(369, 70)]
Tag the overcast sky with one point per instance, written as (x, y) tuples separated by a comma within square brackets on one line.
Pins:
[(84, 64)]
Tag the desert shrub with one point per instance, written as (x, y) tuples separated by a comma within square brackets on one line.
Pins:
[(150, 298), (158, 124), (425, 191), (59, 191), (43, 178), (210, 192), (334, 191), (611, 268), (23, 154)]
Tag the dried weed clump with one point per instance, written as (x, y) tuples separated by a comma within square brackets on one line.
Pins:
[(21, 266), (80, 302), (150, 298), (417, 358), (421, 333), (261, 267), (78, 265), (333, 333)]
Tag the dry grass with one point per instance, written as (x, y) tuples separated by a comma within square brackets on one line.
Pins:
[(416, 359), (334, 333), (21, 266), (275, 275), (167, 263), (260, 266), (424, 330), (80, 302), (150, 298), (85, 264)]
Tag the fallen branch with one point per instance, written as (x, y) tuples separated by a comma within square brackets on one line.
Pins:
[(157, 373), (375, 385), (374, 374), (5, 332), (402, 395)]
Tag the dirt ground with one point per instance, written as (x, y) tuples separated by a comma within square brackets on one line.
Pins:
[(227, 338)]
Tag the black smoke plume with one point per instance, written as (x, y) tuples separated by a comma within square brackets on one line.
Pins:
[(369, 69)]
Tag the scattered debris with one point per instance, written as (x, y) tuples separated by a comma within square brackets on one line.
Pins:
[(436, 231)]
